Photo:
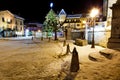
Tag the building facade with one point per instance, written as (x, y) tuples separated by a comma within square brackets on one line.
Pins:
[(107, 11), (11, 24), (33, 28), (81, 26)]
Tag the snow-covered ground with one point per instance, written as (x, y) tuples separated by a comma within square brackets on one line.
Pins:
[(43, 60)]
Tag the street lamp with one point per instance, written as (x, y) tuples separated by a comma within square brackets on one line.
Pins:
[(94, 12)]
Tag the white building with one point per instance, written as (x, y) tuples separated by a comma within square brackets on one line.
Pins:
[(10, 22)]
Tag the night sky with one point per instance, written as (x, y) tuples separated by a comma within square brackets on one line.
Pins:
[(36, 10)]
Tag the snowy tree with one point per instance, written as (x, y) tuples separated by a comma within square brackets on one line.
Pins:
[(51, 22)]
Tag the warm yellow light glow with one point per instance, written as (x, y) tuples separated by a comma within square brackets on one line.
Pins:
[(94, 12), (8, 20), (84, 22)]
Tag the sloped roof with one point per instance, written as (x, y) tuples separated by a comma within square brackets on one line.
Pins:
[(74, 16), (62, 12), (16, 16), (77, 15), (35, 24), (7, 12)]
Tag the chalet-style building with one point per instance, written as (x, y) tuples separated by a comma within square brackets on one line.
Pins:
[(11, 24), (74, 23)]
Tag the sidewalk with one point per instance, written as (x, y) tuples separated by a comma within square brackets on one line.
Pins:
[(16, 38)]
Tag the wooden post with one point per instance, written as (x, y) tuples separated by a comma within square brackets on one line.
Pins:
[(68, 49), (32, 38), (41, 38), (75, 61), (64, 43), (49, 39)]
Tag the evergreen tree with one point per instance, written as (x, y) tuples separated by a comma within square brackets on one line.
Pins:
[(51, 22)]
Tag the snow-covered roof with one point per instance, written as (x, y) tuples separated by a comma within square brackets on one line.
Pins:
[(77, 15), (16, 16), (7, 12), (35, 24), (62, 12)]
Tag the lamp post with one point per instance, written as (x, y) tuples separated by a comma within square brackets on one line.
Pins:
[(94, 12)]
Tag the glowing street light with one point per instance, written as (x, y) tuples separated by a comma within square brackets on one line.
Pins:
[(94, 12)]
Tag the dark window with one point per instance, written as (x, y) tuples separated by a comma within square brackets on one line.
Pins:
[(3, 20), (20, 22), (20, 28), (78, 24), (11, 20), (16, 22)]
